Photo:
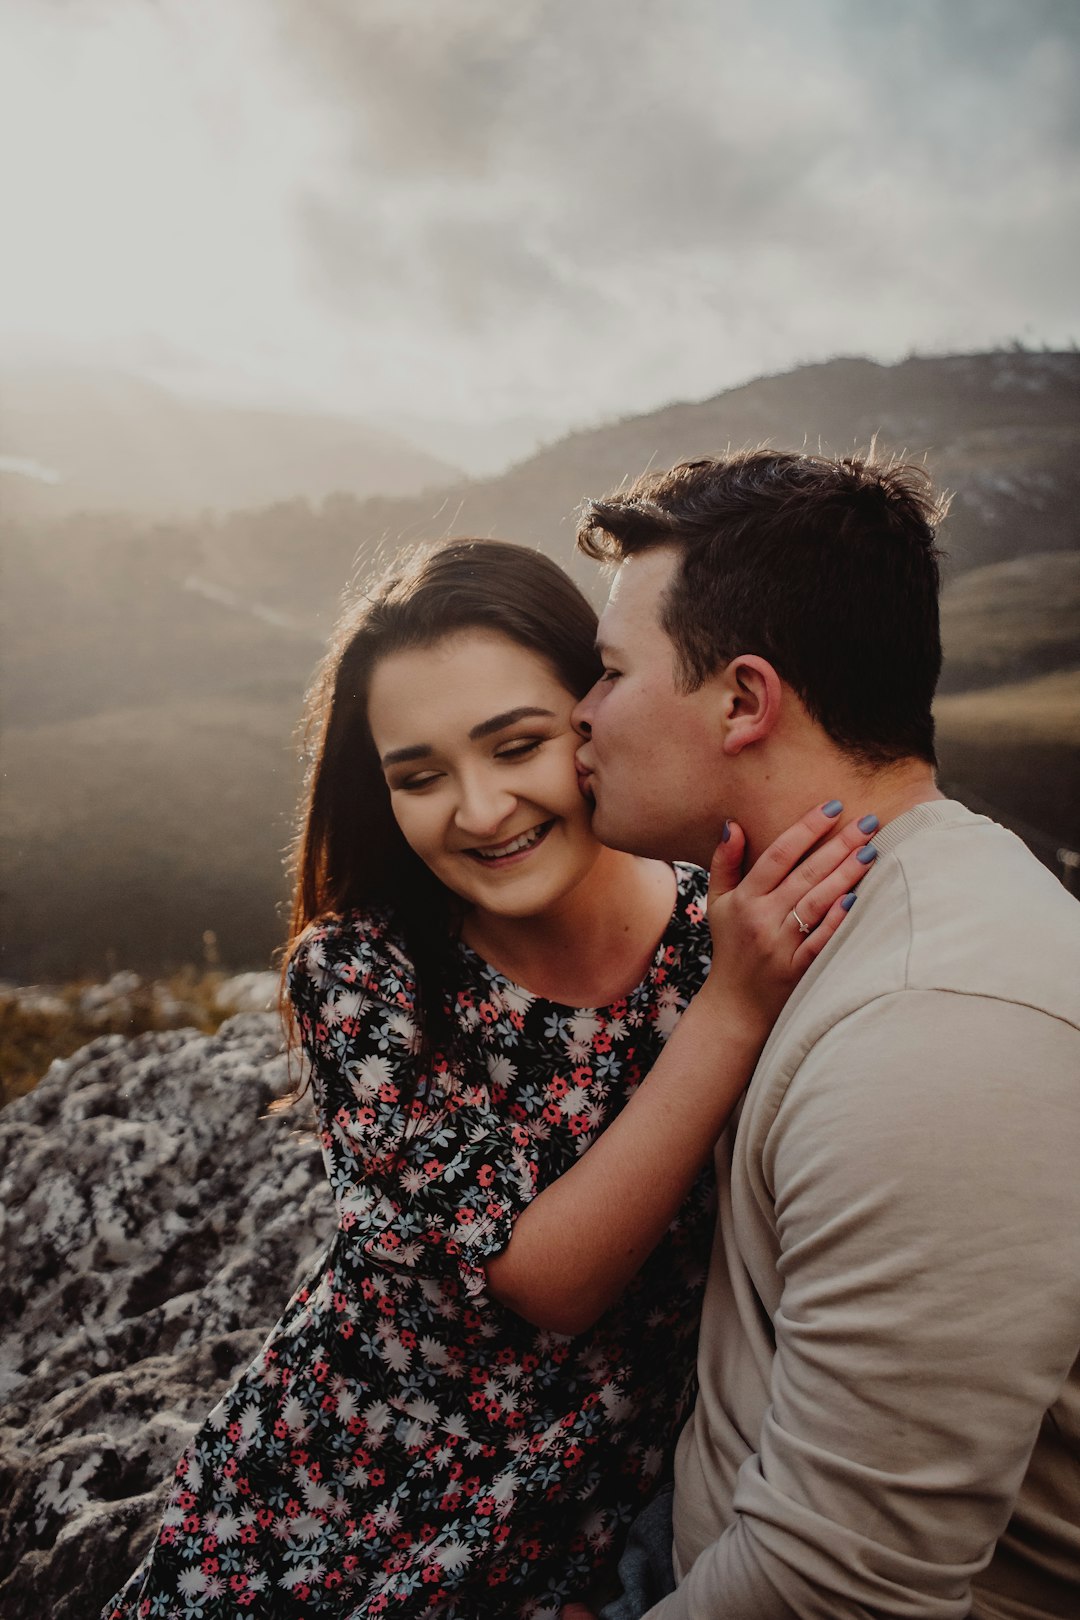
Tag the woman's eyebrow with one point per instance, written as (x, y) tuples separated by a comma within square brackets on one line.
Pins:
[(398, 756), (510, 717), (486, 728)]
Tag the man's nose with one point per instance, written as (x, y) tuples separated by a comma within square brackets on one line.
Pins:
[(580, 718)]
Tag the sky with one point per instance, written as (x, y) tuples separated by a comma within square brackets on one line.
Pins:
[(486, 222)]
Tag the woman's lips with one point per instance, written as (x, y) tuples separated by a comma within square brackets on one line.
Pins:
[(497, 863)]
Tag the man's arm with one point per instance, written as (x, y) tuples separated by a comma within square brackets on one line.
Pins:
[(923, 1168)]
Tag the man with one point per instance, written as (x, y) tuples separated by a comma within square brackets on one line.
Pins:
[(888, 1420)]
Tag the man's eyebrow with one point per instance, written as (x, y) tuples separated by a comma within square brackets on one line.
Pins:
[(399, 756), (509, 717)]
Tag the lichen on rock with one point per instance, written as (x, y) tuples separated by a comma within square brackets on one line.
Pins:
[(155, 1221)]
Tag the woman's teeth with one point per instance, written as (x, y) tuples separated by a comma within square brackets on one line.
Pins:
[(513, 846)]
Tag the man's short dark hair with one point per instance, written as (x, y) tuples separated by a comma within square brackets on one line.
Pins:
[(827, 568)]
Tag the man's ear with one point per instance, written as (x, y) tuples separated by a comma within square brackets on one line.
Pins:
[(751, 699)]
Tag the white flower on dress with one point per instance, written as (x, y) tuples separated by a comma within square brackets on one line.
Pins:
[(395, 1354), (667, 1016), (250, 1421), (369, 1074), (501, 1070), (404, 1027), (377, 1416), (317, 1496), (515, 998), (423, 1411), (227, 1527), (343, 1004), (584, 1027), (451, 1555), (347, 1406), (294, 1414)]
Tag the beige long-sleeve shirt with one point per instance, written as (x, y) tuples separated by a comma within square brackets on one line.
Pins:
[(888, 1421)]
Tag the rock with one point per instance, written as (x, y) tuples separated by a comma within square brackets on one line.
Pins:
[(103, 1003), (155, 1220), (248, 992), (37, 999)]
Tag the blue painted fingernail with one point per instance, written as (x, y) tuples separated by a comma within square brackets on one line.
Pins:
[(725, 832), (867, 854), (833, 808), (868, 824), (848, 901)]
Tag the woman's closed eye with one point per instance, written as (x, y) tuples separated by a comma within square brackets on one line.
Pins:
[(519, 749), (416, 782)]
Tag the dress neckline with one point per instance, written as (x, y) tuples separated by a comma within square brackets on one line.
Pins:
[(684, 876)]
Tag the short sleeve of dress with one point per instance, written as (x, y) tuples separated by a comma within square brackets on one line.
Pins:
[(427, 1177)]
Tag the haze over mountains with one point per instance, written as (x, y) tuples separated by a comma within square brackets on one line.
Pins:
[(154, 669), (75, 441)]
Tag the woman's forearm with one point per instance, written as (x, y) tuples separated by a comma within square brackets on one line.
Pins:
[(579, 1243)]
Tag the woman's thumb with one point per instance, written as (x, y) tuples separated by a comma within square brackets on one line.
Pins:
[(726, 868)]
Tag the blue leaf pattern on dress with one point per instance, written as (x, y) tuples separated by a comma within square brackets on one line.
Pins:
[(404, 1444)]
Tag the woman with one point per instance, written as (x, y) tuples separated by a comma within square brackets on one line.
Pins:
[(462, 1410)]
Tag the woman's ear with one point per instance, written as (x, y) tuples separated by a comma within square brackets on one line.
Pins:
[(752, 696)]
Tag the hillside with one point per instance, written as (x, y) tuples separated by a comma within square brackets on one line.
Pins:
[(153, 673), (1011, 619), (78, 441), (1001, 430)]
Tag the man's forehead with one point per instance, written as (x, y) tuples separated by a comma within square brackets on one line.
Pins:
[(639, 584)]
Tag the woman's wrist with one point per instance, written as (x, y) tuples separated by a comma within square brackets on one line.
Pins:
[(739, 1018)]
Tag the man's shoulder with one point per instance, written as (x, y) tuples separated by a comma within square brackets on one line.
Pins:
[(955, 906), (954, 998), (978, 915)]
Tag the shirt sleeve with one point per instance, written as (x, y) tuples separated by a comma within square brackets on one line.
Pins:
[(928, 1214), (427, 1177)]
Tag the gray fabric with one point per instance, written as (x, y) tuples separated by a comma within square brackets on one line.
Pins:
[(645, 1568)]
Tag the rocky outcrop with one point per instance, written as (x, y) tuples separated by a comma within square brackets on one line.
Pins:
[(155, 1222)]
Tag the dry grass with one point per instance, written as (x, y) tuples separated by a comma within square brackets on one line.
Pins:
[(1041, 711), (32, 1037)]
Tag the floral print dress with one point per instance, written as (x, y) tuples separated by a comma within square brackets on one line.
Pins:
[(403, 1444)]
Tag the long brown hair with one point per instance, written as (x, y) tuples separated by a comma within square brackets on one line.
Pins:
[(350, 853)]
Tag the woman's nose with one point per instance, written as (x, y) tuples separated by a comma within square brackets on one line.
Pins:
[(483, 806)]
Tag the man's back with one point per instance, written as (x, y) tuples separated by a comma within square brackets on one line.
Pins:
[(894, 1302)]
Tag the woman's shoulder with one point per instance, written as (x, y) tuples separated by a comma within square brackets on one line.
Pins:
[(359, 950)]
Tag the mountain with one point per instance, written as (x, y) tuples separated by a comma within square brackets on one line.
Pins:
[(153, 672), (85, 440), (1001, 430), (1012, 619)]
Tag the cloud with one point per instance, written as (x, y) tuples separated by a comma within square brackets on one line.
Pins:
[(847, 176), (469, 208)]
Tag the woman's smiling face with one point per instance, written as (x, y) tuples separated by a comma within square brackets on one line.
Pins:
[(477, 748)]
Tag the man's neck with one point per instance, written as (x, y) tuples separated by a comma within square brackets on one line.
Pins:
[(884, 791)]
